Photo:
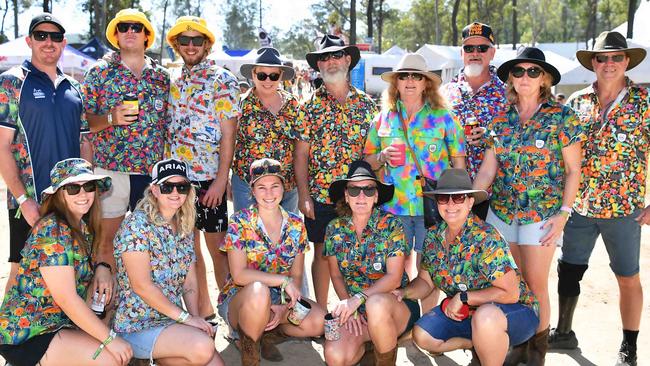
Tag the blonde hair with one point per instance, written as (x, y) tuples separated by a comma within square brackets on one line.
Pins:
[(431, 95), (183, 219), (544, 88)]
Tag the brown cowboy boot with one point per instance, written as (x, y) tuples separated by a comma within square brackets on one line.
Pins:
[(516, 355), (249, 349), (386, 359), (368, 358), (269, 339), (537, 347)]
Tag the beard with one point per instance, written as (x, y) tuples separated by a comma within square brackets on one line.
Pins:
[(473, 70), (334, 77)]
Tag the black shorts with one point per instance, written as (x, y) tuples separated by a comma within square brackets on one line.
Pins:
[(414, 309), (324, 213), (19, 231), (210, 220), (481, 210), (28, 353)]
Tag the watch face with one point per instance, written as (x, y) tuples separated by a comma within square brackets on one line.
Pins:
[(462, 287)]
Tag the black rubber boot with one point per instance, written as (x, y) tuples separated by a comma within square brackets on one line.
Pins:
[(563, 337)]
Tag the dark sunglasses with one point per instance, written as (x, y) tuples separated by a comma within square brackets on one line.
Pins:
[(410, 75), (443, 199), (335, 55), (41, 36), (74, 189), (197, 41), (135, 27), (181, 188), (261, 76), (533, 72), (266, 169), (601, 59), (367, 191), (481, 48)]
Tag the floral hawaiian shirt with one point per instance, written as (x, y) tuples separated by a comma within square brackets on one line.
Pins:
[(362, 261), (261, 134), (529, 183), (200, 99), (615, 162), (133, 148), (28, 308), (337, 134), (488, 101), (478, 256), (170, 259), (436, 137), (246, 232)]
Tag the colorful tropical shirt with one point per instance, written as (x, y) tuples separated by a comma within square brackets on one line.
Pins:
[(28, 308), (436, 137), (615, 162), (200, 99), (478, 256), (246, 232), (261, 134), (170, 259), (133, 148), (488, 101), (529, 183), (362, 261), (337, 133)]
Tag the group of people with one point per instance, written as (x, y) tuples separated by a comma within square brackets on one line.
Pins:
[(512, 172)]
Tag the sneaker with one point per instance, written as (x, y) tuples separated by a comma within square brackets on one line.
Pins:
[(557, 340), (626, 355)]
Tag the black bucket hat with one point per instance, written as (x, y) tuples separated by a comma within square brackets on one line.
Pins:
[(457, 181), (532, 55), (361, 170), (610, 42), (329, 44), (267, 57)]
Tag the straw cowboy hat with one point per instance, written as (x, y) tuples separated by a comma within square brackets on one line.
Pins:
[(611, 42), (412, 63)]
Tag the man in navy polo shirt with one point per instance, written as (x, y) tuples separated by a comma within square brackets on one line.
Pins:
[(41, 122)]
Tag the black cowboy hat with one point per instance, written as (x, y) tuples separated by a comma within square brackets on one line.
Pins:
[(457, 181), (532, 55), (610, 42), (361, 170), (268, 57), (329, 44)]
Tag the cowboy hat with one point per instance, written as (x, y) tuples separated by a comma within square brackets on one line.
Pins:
[(267, 57), (457, 181), (360, 170), (411, 63), (129, 15), (189, 23), (531, 55), (329, 44), (75, 170), (611, 42)]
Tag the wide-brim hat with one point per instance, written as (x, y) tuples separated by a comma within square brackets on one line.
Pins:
[(413, 63), (361, 170), (328, 44), (611, 42), (457, 181), (267, 57), (189, 23), (75, 170), (531, 55), (264, 167), (133, 16)]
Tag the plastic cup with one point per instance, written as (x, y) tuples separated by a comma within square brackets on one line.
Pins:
[(299, 312), (401, 148), (469, 125), (131, 99), (332, 332)]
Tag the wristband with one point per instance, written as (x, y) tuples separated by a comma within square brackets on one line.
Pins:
[(362, 300), (109, 118), (283, 286), (109, 339), (104, 264), (566, 209), (183, 317), (379, 159), (21, 199)]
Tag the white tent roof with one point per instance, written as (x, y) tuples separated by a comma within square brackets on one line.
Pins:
[(395, 51), (641, 26), (14, 52)]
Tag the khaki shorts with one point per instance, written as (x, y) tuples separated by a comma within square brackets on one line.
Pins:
[(126, 190)]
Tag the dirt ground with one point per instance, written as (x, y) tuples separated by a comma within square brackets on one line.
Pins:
[(597, 320)]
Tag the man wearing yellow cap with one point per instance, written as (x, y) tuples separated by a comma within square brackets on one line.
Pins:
[(204, 107), (126, 97)]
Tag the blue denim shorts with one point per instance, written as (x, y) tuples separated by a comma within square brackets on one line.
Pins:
[(414, 231), (522, 323), (144, 341), (222, 308)]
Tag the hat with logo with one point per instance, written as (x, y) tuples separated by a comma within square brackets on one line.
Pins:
[(189, 23), (168, 168), (477, 29), (45, 18), (611, 42), (129, 16), (75, 170)]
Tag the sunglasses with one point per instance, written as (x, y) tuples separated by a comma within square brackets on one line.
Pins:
[(74, 189), (261, 76), (481, 48), (533, 72), (196, 41), (335, 55), (181, 188), (368, 191), (41, 36), (410, 75), (443, 199), (135, 27), (601, 59), (266, 169)]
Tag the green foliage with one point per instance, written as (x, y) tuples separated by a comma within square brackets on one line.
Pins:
[(240, 31)]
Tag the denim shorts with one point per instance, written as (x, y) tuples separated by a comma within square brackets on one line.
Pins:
[(222, 308), (414, 231), (529, 234), (143, 342), (242, 196), (522, 323)]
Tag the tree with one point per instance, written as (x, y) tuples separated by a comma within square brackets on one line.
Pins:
[(353, 21), (240, 28), (369, 9), (454, 26), (631, 9)]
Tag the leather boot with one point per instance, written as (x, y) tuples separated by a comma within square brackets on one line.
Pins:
[(386, 359), (475, 361), (368, 358), (516, 355), (249, 349), (563, 337), (269, 339), (537, 347)]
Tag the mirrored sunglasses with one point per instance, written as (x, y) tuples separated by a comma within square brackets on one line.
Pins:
[(481, 48), (368, 191), (196, 41), (261, 76), (410, 75), (533, 72), (181, 188), (41, 36), (601, 59), (135, 27), (443, 199), (266, 169), (74, 189), (335, 55)]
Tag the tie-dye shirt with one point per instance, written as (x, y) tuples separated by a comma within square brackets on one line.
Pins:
[(436, 136)]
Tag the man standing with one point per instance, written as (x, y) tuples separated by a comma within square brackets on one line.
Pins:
[(476, 95), (338, 116), (126, 103), (204, 107), (616, 116), (41, 115)]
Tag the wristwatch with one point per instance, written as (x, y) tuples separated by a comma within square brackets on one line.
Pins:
[(463, 297)]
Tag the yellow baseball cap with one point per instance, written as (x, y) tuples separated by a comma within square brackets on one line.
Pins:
[(129, 15), (189, 23)]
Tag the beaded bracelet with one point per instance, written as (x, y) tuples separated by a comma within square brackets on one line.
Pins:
[(109, 339), (183, 317)]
